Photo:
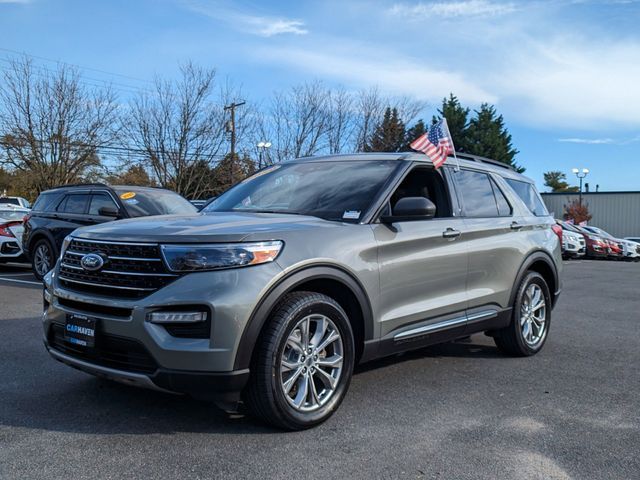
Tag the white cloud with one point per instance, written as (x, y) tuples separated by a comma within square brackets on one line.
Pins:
[(588, 141), (359, 67), (262, 25), (268, 27), (453, 9), (573, 82)]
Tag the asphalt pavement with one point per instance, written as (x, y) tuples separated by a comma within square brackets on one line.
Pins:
[(455, 411)]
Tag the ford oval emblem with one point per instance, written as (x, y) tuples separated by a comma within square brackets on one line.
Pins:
[(92, 262)]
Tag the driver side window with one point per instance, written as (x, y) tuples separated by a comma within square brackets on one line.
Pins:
[(423, 182)]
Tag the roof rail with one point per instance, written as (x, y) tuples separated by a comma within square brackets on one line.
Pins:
[(80, 185), (477, 158)]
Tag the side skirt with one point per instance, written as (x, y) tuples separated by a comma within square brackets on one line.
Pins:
[(434, 331)]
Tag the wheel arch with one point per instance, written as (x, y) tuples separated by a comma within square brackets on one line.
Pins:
[(38, 235), (330, 280), (542, 263)]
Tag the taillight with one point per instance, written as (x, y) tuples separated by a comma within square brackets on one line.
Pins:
[(4, 230), (557, 229)]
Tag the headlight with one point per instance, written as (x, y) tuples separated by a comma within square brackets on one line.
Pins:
[(192, 258), (65, 244)]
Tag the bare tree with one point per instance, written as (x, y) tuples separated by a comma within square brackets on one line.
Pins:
[(369, 110), (341, 127), (180, 128), (298, 121), (51, 126)]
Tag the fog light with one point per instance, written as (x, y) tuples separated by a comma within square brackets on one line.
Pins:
[(177, 317)]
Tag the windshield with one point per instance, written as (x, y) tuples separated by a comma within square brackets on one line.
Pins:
[(147, 202), (9, 200), (598, 231), (13, 214), (340, 191)]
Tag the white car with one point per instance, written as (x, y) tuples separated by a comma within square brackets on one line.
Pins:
[(17, 201), (629, 248), (11, 229), (573, 244)]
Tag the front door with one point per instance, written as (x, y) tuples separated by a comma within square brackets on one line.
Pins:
[(423, 263)]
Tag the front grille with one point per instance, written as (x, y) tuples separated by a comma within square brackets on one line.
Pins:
[(131, 270), (110, 351), (95, 308)]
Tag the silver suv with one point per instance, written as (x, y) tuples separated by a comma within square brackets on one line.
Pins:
[(271, 295)]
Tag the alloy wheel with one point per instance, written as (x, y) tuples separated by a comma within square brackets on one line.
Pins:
[(311, 363), (42, 259), (533, 315)]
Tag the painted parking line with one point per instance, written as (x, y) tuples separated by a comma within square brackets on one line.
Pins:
[(15, 280), (16, 274)]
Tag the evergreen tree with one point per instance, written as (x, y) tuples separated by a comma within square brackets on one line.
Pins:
[(414, 132), (229, 171), (488, 137), (389, 135), (457, 120), (556, 181)]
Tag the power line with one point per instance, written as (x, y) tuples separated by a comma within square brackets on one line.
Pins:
[(142, 153), (122, 87), (75, 65)]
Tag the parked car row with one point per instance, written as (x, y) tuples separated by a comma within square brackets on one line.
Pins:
[(11, 228), (593, 242)]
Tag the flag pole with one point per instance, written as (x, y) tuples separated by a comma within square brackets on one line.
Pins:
[(446, 125)]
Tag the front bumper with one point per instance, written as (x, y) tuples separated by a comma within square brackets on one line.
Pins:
[(223, 387), (201, 367)]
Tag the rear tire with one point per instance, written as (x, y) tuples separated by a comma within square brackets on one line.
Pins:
[(43, 258), (303, 362), (531, 318)]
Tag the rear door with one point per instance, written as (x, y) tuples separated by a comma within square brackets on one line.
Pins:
[(496, 238), (423, 264)]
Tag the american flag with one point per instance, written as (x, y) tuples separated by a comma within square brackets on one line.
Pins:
[(435, 143)]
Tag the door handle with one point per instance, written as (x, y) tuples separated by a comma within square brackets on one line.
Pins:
[(451, 233), (516, 226)]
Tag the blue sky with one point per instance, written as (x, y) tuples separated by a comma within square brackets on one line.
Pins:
[(564, 73)]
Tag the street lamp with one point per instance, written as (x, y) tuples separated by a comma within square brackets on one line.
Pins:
[(262, 146), (580, 174)]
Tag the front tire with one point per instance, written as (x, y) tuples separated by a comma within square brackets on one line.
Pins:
[(43, 258), (303, 362), (531, 318)]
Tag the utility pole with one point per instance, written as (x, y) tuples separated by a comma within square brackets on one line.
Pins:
[(231, 128)]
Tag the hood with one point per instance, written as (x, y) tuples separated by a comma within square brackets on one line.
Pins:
[(201, 228), (570, 234)]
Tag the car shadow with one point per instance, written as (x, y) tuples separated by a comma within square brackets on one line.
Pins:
[(41, 394), (478, 346)]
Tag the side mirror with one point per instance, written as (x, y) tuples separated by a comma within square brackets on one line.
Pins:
[(108, 212), (411, 208)]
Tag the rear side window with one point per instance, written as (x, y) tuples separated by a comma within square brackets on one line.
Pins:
[(481, 197), (100, 200), (47, 202), (529, 195), (504, 208), (76, 204)]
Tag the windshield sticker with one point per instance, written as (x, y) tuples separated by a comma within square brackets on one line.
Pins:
[(132, 201), (127, 195), (351, 215)]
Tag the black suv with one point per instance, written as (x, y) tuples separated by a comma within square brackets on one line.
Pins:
[(58, 212)]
